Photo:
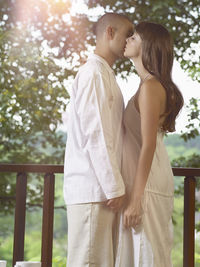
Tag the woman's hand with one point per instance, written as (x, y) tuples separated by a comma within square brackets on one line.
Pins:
[(133, 213)]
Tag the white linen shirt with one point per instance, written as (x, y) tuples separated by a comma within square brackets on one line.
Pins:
[(92, 169)]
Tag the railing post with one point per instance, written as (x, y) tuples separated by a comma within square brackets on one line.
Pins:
[(47, 225), (20, 214), (189, 222)]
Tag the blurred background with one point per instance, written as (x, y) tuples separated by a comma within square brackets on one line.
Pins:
[(42, 45)]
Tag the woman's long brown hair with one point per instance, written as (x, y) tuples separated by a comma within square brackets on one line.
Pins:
[(157, 58)]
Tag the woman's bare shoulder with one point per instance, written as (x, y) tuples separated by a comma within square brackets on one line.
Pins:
[(152, 87)]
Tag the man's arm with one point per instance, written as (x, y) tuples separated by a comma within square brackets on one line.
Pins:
[(94, 110)]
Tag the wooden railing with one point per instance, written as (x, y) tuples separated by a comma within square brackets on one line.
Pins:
[(49, 172)]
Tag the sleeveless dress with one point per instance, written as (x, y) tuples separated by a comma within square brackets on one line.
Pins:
[(151, 245)]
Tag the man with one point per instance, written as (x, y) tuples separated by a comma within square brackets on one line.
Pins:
[(93, 185)]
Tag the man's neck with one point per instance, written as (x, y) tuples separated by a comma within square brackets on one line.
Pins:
[(106, 56)]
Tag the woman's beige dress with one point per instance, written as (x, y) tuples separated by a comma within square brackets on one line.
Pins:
[(151, 245)]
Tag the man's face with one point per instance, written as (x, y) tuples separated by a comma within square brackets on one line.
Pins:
[(122, 32)]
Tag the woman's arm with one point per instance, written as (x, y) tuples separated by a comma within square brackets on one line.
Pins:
[(150, 101)]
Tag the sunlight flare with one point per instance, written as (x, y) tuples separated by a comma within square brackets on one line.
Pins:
[(37, 10)]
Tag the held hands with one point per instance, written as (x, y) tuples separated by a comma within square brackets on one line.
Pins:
[(133, 213), (115, 204)]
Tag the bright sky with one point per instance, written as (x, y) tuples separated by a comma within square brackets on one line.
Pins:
[(187, 86)]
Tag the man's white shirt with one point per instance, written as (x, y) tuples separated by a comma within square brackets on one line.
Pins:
[(92, 169)]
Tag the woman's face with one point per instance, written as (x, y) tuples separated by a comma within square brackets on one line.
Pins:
[(133, 47)]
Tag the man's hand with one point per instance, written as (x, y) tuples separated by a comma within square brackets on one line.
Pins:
[(115, 204)]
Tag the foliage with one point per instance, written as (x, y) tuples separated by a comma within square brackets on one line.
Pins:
[(69, 33), (177, 147), (193, 161), (180, 17), (51, 21), (32, 82), (31, 101), (175, 141), (194, 120), (33, 232), (41, 46), (177, 252)]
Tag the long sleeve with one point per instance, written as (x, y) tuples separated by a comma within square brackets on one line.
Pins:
[(94, 102)]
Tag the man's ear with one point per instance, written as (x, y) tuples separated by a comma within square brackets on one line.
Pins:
[(110, 32)]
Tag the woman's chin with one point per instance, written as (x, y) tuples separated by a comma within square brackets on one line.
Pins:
[(125, 54)]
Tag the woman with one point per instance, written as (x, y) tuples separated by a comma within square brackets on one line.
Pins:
[(145, 236)]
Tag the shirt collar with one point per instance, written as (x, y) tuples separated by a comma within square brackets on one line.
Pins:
[(102, 60)]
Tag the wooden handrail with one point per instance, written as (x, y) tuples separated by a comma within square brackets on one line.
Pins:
[(48, 209), (33, 168), (47, 168)]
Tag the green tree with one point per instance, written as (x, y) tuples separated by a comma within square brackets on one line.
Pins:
[(182, 19), (36, 37), (32, 83)]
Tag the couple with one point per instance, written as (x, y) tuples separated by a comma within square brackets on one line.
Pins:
[(118, 182)]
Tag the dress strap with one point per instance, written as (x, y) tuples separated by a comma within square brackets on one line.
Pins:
[(142, 81)]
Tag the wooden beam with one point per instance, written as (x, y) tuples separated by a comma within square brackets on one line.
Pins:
[(47, 225), (20, 218), (189, 222)]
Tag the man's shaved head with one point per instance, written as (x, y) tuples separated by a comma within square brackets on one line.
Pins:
[(111, 32), (108, 19)]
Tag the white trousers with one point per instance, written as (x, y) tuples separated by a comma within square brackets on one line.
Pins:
[(91, 235)]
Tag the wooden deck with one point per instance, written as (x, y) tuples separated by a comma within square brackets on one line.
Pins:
[(49, 171)]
